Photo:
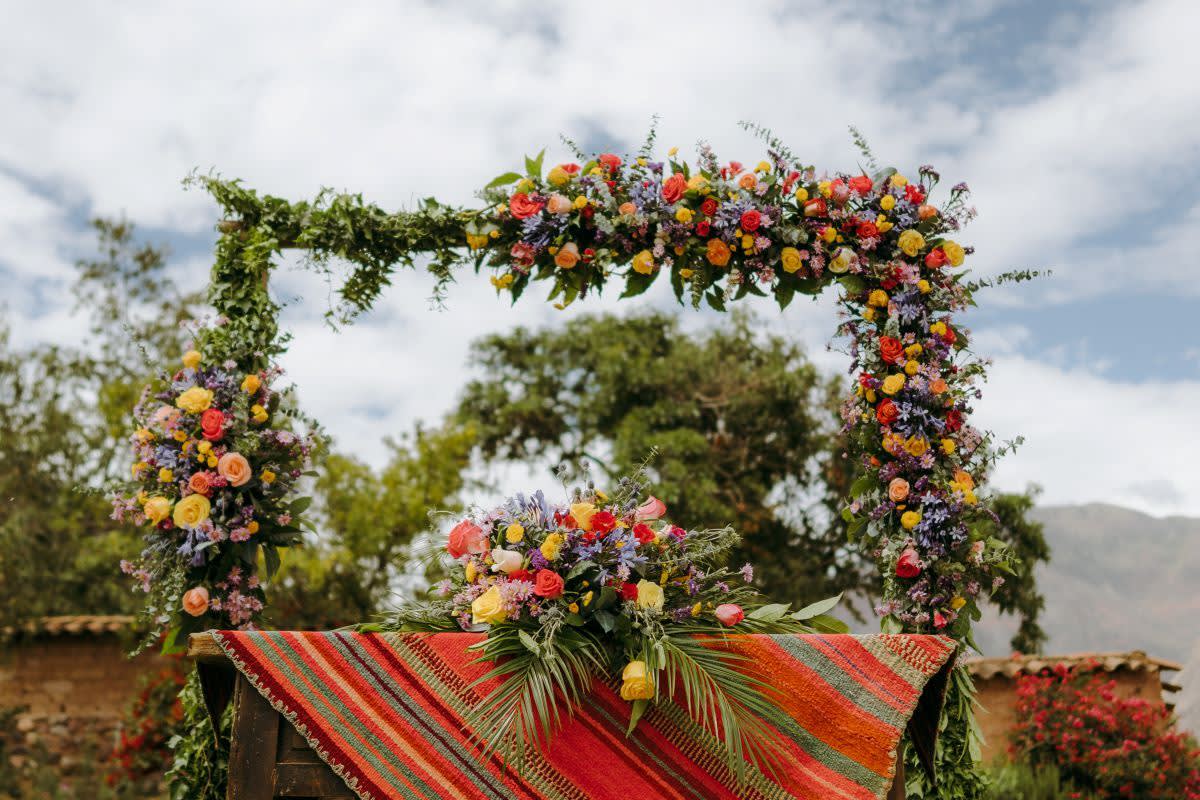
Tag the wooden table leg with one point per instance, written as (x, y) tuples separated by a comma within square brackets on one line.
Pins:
[(252, 752)]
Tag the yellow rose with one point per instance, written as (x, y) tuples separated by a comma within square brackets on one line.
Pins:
[(964, 477), (157, 509), (909, 519), (947, 446), (514, 533), (923, 286), (887, 203), (643, 262), (917, 446), (551, 547), (636, 682), (899, 180), (911, 367), (791, 258), (195, 400), (829, 233), (650, 595), (582, 514), (488, 608), (258, 414), (842, 260), (868, 314), (191, 359), (558, 177), (878, 297), (910, 243), (191, 511), (954, 253), (893, 384), (825, 188), (251, 383), (698, 183)]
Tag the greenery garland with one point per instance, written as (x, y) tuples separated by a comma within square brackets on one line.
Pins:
[(719, 232)]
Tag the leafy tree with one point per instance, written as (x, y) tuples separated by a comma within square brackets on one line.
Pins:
[(1020, 595), (369, 521)]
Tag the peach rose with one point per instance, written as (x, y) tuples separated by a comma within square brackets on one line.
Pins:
[(748, 181), (567, 256), (925, 212), (506, 561), (963, 478), (938, 386), (234, 468), (559, 204), (166, 417), (199, 483), (627, 208), (898, 490), (195, 601)]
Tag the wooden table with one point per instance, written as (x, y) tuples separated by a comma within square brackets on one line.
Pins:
[(268, 758)]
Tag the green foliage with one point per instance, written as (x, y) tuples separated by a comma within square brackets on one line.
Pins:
[(743, 423), (1019, 595), (957, 752), (200, 767), (1023, 781)]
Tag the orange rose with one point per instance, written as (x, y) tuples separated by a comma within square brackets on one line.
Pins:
[(627, 208), (898, 490), (925, 212), (718, 253), (234, 468), (198, 483), (748, 181), (963, 478), (567, 256), (938, 386), (559, 204), (195, 601)]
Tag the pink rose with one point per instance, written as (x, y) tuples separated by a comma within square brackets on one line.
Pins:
[(200, 483), (729, 614), (507, 561), (653, 508), (522, 253), (166, 417), (909, 564), (466, 537), (195, 601), (898, 490), (567, 256), (548, 584), (234, 468)]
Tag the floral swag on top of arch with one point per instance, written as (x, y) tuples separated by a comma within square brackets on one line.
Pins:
[(215, 475)]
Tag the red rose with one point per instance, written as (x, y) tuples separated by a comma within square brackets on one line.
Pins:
[(939, 620), (954, 420), (909, 564), (603, 522), (548, 584), (522, 205), (815, 207), (949, 337), (520, 575), (212, 423), (886, 412), (610, 162), (643, 533), (891, 349), (936, 258), (629, 591), (674, 187), (751, 220), (861, 185), (867, 230), (570, 169), (913, 194), (708, 207), (702, 228)]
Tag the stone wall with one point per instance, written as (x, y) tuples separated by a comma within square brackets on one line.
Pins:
[(72, 691)]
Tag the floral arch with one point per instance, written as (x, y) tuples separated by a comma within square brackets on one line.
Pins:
[(718, 232)]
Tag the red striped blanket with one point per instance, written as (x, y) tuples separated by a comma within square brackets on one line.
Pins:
[(385, 711)]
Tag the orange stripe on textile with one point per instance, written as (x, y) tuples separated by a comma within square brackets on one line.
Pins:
[(386, 712)]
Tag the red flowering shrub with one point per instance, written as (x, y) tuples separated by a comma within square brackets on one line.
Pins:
[(1108, 746), (155, 716)]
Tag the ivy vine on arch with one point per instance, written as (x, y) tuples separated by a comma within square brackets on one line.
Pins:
[(718, 232)]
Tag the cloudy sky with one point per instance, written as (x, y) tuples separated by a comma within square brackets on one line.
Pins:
[(1077, 126)]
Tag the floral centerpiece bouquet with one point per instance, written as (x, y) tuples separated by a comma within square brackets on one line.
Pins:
[(606, 587), (214, 480)]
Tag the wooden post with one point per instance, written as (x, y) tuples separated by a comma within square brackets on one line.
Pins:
[(252, 751)]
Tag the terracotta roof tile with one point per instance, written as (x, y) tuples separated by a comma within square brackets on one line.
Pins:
[(75, 625), (1010, 667)]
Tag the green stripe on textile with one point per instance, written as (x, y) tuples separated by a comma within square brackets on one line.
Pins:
[(329, 699), (828, 756), (397, 698), (837, 674), (876, 646), (549, 787)]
